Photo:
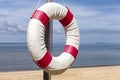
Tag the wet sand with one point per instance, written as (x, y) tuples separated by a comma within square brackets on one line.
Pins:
[(88, 73)]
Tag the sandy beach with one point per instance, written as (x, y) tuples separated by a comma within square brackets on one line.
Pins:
[(89, 73)]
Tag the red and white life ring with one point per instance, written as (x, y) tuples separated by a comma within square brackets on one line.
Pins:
[(36, 35)]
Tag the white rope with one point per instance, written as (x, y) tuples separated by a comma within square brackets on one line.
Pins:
[(64, 2), (38, 4)]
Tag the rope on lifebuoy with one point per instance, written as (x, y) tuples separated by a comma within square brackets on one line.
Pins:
[(36, 36)]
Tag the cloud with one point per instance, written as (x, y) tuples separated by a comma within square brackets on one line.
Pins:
[(83, 11), (15, 15), (100, 35), (10, 24), (12, 27), (98, 2), (86, 15), (100, 31), (93, 17)]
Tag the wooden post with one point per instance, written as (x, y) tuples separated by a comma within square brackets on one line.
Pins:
[(48, 39)]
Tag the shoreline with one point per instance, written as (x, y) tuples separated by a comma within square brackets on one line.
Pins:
[(37, 68)]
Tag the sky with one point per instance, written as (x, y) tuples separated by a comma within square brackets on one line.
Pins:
[(98, 20)]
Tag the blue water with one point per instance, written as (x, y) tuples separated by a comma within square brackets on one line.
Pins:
[(15, 56)]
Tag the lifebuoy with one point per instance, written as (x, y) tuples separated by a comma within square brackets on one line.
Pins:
[(36, 35)]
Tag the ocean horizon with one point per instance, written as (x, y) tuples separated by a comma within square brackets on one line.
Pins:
[(15, 56)]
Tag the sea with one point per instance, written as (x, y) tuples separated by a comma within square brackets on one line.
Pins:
[(15, 56)]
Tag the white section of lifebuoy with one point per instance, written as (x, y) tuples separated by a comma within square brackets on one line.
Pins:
[(36, 36), (36, 43), (52, 10)]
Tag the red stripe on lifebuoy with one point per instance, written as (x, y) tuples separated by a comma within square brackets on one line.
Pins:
[(45, 61), (41, 16), (71, 50), (67, 19)]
